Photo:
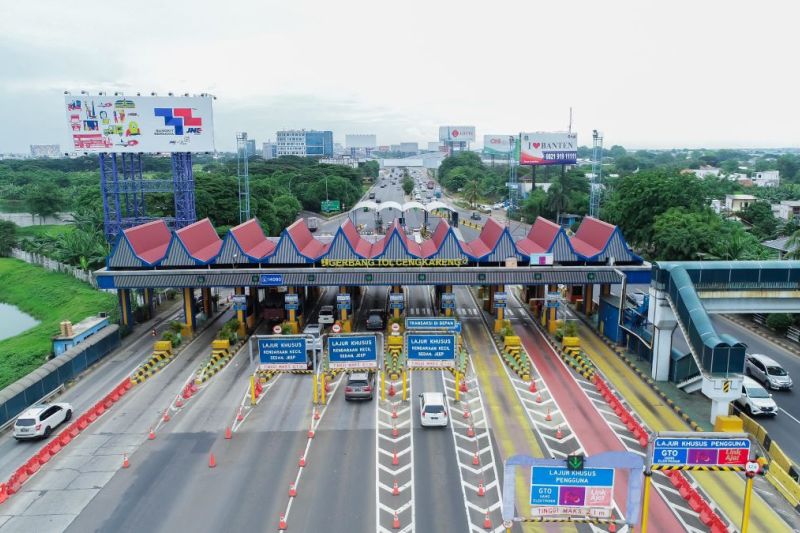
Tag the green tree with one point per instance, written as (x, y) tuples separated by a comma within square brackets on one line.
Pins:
[(780, 322), (557, 198), (8, 237), (759, 216), (472, 191), (44, 201), (535, 205), (681, 235), (626, 164), (793, 245), (408, 185), (617, 151)]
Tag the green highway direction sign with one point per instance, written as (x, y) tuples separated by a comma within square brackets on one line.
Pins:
[(328, 206), (575, 462)]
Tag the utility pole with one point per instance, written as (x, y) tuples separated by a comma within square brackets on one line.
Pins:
[(243, 177), (513, 182), (597, 174)]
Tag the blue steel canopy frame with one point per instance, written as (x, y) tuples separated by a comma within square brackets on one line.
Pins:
[(123, 188)]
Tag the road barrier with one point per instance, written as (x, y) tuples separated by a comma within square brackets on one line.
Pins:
[(221, 354), (163, 353), (46, 452), (514, 354), (577, 359)]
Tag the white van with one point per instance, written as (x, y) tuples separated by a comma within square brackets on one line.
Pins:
[(767, 371), (432, 409)]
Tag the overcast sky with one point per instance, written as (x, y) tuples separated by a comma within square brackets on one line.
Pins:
[(648, 74)]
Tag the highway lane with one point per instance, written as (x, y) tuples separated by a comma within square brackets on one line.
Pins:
[(71, 480), (89, 387), (438, 501)]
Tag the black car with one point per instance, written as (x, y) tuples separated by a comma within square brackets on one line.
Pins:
[(375, 319), (475, 216)]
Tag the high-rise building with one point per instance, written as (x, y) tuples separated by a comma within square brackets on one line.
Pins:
[(251, 147), (269, 150), (305, 143)]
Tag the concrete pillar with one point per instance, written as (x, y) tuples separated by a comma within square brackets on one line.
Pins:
[(449, 290), (396, 289), (346, 325), (664, 322), (207, 301), (293, 314), (500, 311), (149, 303), (241, 315), (605, 289), (125, 309), (189, 310), (588, 294)]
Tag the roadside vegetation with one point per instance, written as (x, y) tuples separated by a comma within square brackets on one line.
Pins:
[(49, 297)]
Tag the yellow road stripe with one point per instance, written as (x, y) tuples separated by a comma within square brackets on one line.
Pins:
[(505, 412), (727, 494)]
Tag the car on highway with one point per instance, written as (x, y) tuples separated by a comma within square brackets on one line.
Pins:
[(755, 400), (359, 386), (378, 200), (325, 314), (432, 411), (768, 371), (484, 208), (372, 196), (40, 420), (375, 319), (475, 216), (315, 330)]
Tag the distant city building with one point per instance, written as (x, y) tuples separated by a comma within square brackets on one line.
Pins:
[(716, 206), (786, 210), (409, 148), (767, 178), (433, 146), (344, 161), (737, 202), (251, 147), (702, 172), (269, 150), (305, 143), (45, 150)]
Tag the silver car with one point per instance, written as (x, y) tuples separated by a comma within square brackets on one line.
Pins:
[(767, 371), (360, 386)]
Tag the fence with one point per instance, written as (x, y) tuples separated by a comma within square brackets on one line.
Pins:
[(32, 388), (52, 264)]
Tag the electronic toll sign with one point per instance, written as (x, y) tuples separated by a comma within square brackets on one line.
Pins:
[(701, 452)]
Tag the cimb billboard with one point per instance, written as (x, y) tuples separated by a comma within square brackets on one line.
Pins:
[(497, 144), (548, 148), (101, 123), (457, 133)]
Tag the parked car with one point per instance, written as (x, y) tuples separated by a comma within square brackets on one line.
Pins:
[(475, 216), (375, 319), (40, 420), (326, 314), (359, 386), (432, 410), (755, 400), (768, 371)]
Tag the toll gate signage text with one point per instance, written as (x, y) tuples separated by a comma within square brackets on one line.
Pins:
[(560, 491), (430, 351), (353, 351), (288, 353), (701, 452)]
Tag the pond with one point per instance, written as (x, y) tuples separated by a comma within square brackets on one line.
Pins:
[(13, 321)]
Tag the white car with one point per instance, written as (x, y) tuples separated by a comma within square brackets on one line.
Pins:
[(326, 314), (755, 400), (315, 330), (40, 420), (432, 410)]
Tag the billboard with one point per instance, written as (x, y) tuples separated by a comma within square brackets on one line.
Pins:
[(139, 123), (497, 144), (358, 140), (457, 133), (548, 148)]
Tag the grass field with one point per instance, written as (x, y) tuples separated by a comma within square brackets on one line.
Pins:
[(44, 229), (49, 297)]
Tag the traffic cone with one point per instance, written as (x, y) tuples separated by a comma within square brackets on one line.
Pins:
[(394, 411), (395, 489), (548, 416), (282, 523), (395, 431), (532, 388), (292, 490), (228, 433), (470, 432), (463, 387), (391, 389), (311, 431), (481, 490), (396, 521), (612, 527), (327, 386), (475, 459), (187, 392), (151, 435), (179, 402), (239, 415), (166, 415), (125, 462), (212, 461), (395, 460), (559, 434), (466, 413), (487, 521), (316, 414), (302, 461), (539, 398)]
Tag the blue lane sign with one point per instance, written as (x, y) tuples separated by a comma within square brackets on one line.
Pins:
[(701, 451), (272, 280), (396, 301), (572, 492), (448, 300), (430, 351), (291, 301), (353, 351), (433, 323), (282, 353)]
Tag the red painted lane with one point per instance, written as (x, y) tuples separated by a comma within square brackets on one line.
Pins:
[(582, 417)]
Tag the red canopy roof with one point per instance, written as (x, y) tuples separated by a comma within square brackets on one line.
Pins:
[(361, 246), (252, 240), (149, 241), (200, 240), (540, 237), (487, 240), (306, 244), (592, 236)]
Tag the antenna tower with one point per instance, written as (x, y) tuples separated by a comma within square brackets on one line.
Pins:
[(597, 174), (243, 177)]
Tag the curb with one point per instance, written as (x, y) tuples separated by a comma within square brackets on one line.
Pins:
[(644, 377)]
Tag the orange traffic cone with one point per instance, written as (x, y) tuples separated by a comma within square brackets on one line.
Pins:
[(395, 489), (475, 459), (539, 398), (125, 462), (487, 521), (548, 417), (559, 434), (228, 433), (166, 415), (395, 460), (466, 412), (179, 402), (396, 521), (151, 435), (470, 431), (212, 461), (316, 414), (292, 490), (391, 389), (282, 523), (239, 415), (394, 411), (612, 527), (532, 388), (463, 387), (302, 461), (481, 490), (311, 431)]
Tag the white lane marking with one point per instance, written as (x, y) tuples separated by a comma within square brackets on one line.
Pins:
[(404, 416), (781, 409)]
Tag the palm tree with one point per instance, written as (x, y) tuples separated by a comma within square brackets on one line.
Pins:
[(793, 246), (557, 199), (472, 191)]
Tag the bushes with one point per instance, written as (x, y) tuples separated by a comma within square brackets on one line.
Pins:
[(780, 322), (230, 331)]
